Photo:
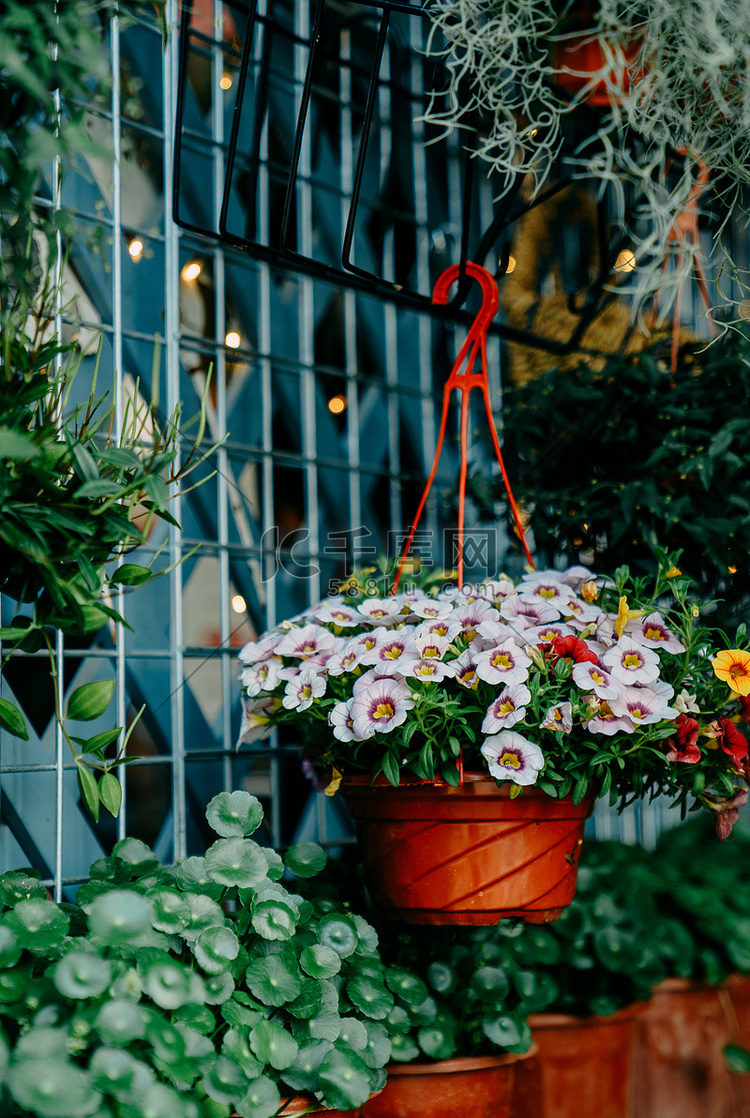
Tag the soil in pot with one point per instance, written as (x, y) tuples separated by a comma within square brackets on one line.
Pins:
[(581, 1069), (469, 1087), (468, 855)]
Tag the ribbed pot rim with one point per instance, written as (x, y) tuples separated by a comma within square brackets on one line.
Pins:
[(460, 1064), (570, 1021)]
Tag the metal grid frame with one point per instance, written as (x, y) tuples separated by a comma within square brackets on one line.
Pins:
[(270, 394)]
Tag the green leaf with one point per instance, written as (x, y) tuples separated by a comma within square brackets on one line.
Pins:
[(38, 925), (370, 996), (91, 700), (391, 770), (302, 1075), (261, 1100), (118, 916), (225, 1082), (110, 793), (338, 933), (490, 984), (234, 814), (167, 982), (438, 1044), (81, 975), (236, 861), (12, 720), (407, 985), (320, 962), (306, 859), (216, 948), (273, 920), (16, 446), (96, 488), (84, 463), (273, 1045), (120, 1021), (737, 1059), (52, 1088), (131, 574), (343, 1080), (89, 789), (272, 981)]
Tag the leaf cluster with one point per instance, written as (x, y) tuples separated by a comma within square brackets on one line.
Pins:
[(188, 991), (616, 462)]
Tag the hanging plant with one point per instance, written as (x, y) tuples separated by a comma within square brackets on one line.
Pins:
[(677, 107)]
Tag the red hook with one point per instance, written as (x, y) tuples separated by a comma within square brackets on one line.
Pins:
[(463, 378)]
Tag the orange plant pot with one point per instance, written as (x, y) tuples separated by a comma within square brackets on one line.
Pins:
[(582, 1067), (301, 1105), (680, 1070), (478, 1087), (467, 855), (576, 61), (738, 989)]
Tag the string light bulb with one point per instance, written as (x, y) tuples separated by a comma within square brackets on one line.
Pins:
[(225, 81), (625, 261), (233, 340), (511, 265), (192, 270), (135, 248), (239, 605), (337, 405)]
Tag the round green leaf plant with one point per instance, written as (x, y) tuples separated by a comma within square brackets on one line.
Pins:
[(191, 991)]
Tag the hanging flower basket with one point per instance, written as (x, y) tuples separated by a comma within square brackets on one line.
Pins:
[(467, 855), (473, 1087)]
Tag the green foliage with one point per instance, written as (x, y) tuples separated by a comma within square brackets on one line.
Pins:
[(152, 996), (618, 462)]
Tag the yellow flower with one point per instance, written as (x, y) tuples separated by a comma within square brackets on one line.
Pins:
[(624, 615), (332, 788), (673, 572), (732, 665), (589, 591)]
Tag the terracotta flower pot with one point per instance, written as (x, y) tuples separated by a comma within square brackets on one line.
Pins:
[(738, 989), (582, 1067), (479, 1087), (578, 59), (467, 855), (302, 1105), (679, 1069)]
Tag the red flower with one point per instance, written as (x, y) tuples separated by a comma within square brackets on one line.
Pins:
[(730, 739), (572, 648), (684, 746), (727, 813)]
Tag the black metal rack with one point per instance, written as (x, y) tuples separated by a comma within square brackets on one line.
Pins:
[(297, 69)]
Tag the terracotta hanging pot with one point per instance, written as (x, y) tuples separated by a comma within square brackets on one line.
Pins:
[(468, 855), (576, 61), (467, 1087), (581, 1069), (680, 1071)]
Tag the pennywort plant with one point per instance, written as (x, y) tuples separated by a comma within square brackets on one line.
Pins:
[(191, 991), (579, 685)]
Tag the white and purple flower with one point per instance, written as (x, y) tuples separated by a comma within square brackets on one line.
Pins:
[(380, 611), (429, 670), (392, 652), (505, 664), (508, 708), (653, 632), (630, 663), (593, 677), (641, 705), (559, 719), (262, 676), (300, 692), (305, 642), (379, 705), (342, 722), (510, 756)]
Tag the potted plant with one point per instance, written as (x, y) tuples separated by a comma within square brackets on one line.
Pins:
[(206, 988), (672, 107), (589, 975), (457, 1027), (694, 1035), (462, 718)]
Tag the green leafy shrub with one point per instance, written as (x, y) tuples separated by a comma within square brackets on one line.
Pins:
[(200, 989), (615, 463)]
